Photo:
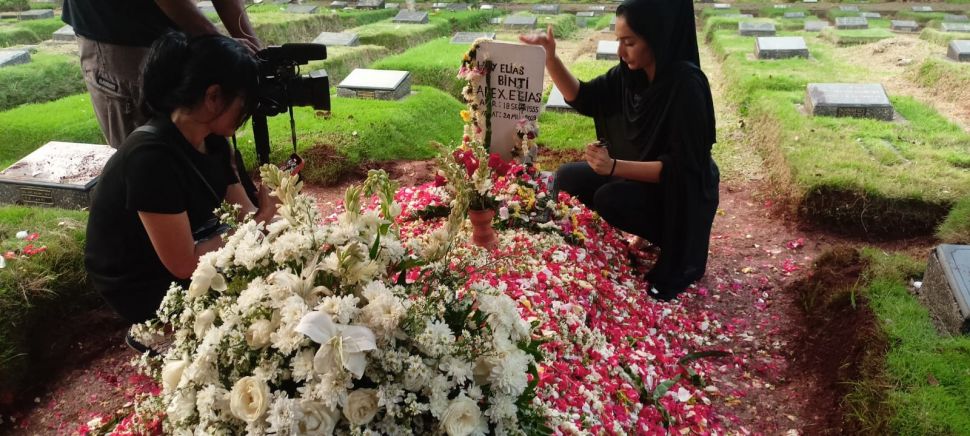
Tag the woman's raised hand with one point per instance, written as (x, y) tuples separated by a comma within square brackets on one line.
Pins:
[(546, 40)]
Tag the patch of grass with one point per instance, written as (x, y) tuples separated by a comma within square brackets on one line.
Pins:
[(274, 27), (941, 38), (47, 77), (773, 12), (398, 37), (28, 32), (956, 228), (710, 12), (342, 60), (39, 289), (844, 37), (28, 127), (948, 80), (920, 17), (434, 63), (565, 130)]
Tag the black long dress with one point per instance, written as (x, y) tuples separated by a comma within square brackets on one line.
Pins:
[(670, 120)]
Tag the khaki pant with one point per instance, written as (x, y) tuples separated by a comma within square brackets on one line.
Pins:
[(113, 77)]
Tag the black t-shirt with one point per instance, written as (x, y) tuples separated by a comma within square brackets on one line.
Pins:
[(149, 173), (121, 22)]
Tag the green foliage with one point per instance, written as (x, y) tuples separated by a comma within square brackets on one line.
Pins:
[(39, 289), (875, 32), (956, 228), (941, 38), (14, 5), (47, 77), (28, 127), (399, 37), (274, 27), (434, 64), (919, 17), (28, 32)]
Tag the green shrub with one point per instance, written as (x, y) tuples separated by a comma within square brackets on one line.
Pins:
[(47, 77), (275, 27), (30, 126), (434, 63), (398, 37), (14, 5), (10, 36)]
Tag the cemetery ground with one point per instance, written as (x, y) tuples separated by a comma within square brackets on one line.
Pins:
[(817, 307)]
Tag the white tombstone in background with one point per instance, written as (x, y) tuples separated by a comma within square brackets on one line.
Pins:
[(516, 89)]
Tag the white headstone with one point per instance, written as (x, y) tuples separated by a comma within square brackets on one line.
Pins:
[(516, 88), (860, 100), (379, 84), (470, 37), (722, 6), (338, 4), (13, 57), (586, 14), (556, 101), (546, 9), (809, 1), (487, 7), (870, 15), (411, 17), (607, 50), (792, 15), (394, 6), (955, 27), (959, 50), (780, 47), (337, 39)]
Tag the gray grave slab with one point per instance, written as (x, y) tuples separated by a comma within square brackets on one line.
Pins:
[(794, 15), (959, 50), (955, 27), (613, 23), (815, 26), (37, 14), (606, 50), (206, 7), (756, 28), (556, 101), (409, 17), (470, 37), (922, 9), (302, 9), (520, 21), (739, 16), (330, 39), (375, 84), (851, 23), (596, 8), (586, 14), (904, 26), (456, 7), (809, 1), (870, 15), (946, 288), (487, 7), (780, 47), (59, 174), (849, 8), (13, 57), (546, 9), (394, 6), (439, 5), (722, 6), (338, 4), (860, 100), (496, 20), (65, 34), (952, 18), (371, 4)]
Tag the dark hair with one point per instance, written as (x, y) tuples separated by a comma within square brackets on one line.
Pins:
[(179, 70)]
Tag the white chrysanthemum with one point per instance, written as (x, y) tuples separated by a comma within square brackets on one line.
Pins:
[(210, 402), (252, 249), (290, 246), (375, 289), (436, 340), (286, 338), (509, 371), (417, 375), (302, 365), (343, 308), (181, 406), (283, 415), (457, 368), (503, 316), (383, 314), (502, 408)]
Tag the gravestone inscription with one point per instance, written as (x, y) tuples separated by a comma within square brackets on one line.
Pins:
[(59, 174)]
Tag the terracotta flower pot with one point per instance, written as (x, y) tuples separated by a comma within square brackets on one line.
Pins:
[(483, 235)]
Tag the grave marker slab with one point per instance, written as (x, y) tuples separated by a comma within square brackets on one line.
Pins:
[(520, 21), (556, 102), (394, 6), (955, 27), (409, 17), (13, 57), (809, 1), (595, 8), (780, 47), (371, 4), (756, 28), (849, 8), (65, 34), (851, 23), (457, 7), (870, 15), (815, 26), (859, 100), (946, 288), (206, 7), (470, 37), (922, 9), (439, 5), (951, 18), (546, 9), (781, 6), (487, 7), (59, 174), (792, 15), (586, 14), (722, 6), (302, 9), (739, 16), (338, 4), (375, 84), (606, 50), (959, 50), (37, 14), (904, 26), (346, 39)]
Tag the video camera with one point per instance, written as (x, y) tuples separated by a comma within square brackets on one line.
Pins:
[(281, 87)]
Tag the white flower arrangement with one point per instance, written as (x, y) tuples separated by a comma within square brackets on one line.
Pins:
[(302, 328)]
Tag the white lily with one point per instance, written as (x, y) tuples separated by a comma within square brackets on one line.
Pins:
[(341, 346), (303, 285), (206, 277)]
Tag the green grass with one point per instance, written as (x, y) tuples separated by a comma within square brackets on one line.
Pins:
[(47, 77), (342, 60), (28, 32), (773, 12), (947, 79), (569, 130), (708, 13), (956, 228), (274, 27), (434, 63), (878, 30), (941, 38), (920, 17), (28, 127), (40, 290), (398, 37)]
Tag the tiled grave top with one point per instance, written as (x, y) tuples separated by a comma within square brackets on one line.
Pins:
[(959, 50), (13, 57), (65, 34), (520, 20), (756, 28), (302, 9), (371, 4), (851, 23), (62, 163), (470, 37), (815, 26), (781, 47), (556, 100), (864, 100), (870, 15), (849, 8), (904, 25), (415, 17), (955, 260), (383, 80), (335, 39), (922, 9), (955, 27), (951, 18), (606, 50), (37, 14), (546, 9), (794, 15)]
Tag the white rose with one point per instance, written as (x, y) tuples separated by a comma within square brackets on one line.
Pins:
[(258, 333), (462, 417), (361, 406), (318, 418), (249, 399), (203, 321), (172, 374)]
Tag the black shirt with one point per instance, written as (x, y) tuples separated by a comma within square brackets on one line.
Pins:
[(149, 173), (121, 22)]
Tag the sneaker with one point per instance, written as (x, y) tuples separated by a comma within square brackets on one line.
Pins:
[(665, 296), (138, 346)]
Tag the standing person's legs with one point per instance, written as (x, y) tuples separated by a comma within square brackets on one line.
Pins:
[(112, 74), (579, 180)]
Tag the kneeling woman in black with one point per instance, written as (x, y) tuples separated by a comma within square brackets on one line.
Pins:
[(655, 178), (164, 182)]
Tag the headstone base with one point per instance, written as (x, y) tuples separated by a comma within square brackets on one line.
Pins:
[(59, 174)]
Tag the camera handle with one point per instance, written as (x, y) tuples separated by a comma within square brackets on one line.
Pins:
[(261, 138)]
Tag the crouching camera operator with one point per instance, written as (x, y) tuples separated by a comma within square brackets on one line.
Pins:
[(152, 214)]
